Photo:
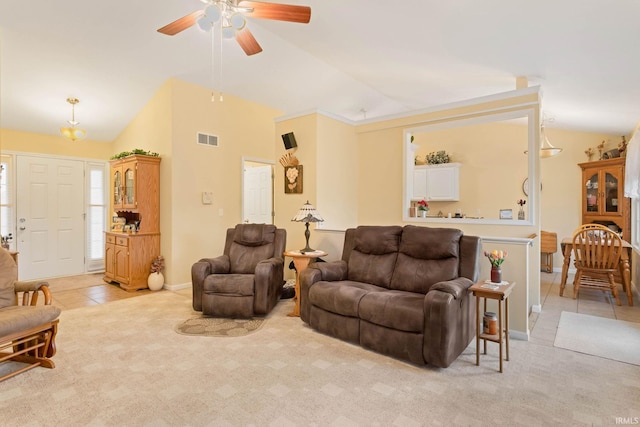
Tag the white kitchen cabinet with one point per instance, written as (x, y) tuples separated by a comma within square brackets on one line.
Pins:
[(437, 183)]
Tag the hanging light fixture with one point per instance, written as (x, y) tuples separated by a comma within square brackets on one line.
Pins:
[(73, 133), (546, 149)]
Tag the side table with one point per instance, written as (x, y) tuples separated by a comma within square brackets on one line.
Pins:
[(488, 290), (301, 261)]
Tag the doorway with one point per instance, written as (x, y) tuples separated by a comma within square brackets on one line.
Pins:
[(257, 191), (50, 217)]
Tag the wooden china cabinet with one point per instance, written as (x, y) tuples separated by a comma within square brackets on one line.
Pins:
[(135, 199), (603, 200)]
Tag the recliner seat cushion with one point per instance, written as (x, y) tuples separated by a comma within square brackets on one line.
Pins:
[(341, 297), (403, 311), (22, 318), (229, 284), (427, 256)]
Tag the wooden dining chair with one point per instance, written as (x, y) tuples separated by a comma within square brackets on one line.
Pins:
[(597, 252)]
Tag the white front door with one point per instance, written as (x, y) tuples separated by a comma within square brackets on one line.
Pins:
[(258, 194), (50, 217)]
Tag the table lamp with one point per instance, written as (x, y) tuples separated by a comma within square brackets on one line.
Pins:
[(307, 214)]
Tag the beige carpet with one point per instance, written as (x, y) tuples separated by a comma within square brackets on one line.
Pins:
[(217, 327), (122, 364), (599, 336)]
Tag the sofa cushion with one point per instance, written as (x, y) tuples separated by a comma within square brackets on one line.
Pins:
[(427, 256), (341, 297), (374, 254), (398, 310), (229, 284), (254, 234)]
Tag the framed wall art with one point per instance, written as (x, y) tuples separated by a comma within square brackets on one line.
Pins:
[(293, 179)]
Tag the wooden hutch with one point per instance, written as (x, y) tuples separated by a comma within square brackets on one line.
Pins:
[(603, 200), (135, 200)]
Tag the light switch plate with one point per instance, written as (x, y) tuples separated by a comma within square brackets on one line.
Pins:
[(207, 197)]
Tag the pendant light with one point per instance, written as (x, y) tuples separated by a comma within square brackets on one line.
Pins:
[(73, 133), (546, 149)]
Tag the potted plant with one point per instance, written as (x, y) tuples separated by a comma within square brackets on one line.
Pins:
[(423, 208), (156, 278)]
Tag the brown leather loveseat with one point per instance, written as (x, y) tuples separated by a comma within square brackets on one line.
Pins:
[(401, 291)]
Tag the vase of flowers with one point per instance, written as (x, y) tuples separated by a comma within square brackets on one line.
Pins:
[(496, 258), (521, 203), (423, 208), (155, 281)]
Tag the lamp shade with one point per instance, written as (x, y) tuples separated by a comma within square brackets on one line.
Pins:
[(307, 213), (546, 149)]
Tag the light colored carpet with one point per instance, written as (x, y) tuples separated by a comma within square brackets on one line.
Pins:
[(122, 364), (217, 327), (599, 336)]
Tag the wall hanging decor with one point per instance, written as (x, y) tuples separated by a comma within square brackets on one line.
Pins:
[(292, 174)]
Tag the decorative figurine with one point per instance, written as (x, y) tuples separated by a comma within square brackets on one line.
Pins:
[(600, 147), (589, 153), (622, 147)]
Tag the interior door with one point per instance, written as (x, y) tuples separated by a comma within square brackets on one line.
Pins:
[(258, 193), (50, 217)]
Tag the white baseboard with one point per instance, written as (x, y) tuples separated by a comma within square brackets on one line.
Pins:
[(176, 287), (519, 335)]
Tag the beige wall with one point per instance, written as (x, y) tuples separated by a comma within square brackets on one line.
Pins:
[(169, 124), (27, 142)]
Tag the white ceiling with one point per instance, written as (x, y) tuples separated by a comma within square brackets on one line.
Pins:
[(380, 56)]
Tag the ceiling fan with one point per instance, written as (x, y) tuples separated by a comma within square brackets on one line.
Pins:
[(231, 14)]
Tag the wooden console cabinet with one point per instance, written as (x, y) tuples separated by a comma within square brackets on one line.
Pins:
[(603, 200), (135, 196)]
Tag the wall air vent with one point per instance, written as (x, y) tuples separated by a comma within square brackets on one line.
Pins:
[(206, 139)]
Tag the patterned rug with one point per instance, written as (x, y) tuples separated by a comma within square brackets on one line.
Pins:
[(217, 327)]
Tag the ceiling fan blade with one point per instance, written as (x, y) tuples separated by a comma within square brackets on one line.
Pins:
[(247, 42), (181, 24), (278, 12)]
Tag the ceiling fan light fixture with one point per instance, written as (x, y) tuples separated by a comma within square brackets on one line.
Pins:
[(237, 21), (72, 132), (228, 32), (213, 13), (204, 24)]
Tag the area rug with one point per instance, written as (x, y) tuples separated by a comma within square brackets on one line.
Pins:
[(599, 336), (217, 327)]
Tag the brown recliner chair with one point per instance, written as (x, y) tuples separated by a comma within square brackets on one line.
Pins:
[(247, 279)]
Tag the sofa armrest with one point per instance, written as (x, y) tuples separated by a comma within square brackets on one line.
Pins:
[(268, 283), (456, 287), (31, 291), (201, 269), (331, 271), (449, 323), (315, 272)]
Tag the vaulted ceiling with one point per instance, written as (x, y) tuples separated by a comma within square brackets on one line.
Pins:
[(356, 59)]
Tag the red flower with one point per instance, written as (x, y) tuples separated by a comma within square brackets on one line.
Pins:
[(423, 205)]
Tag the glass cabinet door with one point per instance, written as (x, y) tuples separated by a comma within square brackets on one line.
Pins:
[(129, 180), (592, 193), (117, 188), (611, 193)]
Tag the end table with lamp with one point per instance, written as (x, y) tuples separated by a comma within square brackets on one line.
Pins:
[(303, 257)]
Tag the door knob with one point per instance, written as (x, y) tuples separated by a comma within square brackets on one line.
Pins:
[(23, 228)]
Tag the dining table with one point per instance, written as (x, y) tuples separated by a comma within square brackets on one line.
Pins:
[(566, 246)]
